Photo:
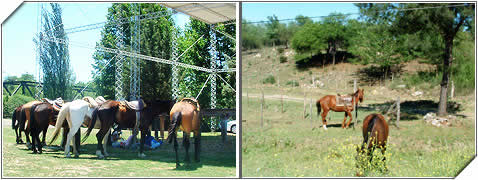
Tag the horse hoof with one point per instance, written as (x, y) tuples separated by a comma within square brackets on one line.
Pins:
[(68, 156), (141, 155), (177, 165), (77, 155)]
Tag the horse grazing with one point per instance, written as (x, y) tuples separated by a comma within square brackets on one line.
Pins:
[(375, 134), (185, 115), (16, 126), (74, 113), (329, 102), (125, 116), (41, 115)]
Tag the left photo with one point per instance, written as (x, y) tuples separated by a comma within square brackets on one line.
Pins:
[(120, 90)]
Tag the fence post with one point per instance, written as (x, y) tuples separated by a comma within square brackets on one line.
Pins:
[(354, 115), (310, 105), (304, 105), (262, 107), (398, 111), (223, 128)]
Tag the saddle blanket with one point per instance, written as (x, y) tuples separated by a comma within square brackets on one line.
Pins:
[(343, 100)]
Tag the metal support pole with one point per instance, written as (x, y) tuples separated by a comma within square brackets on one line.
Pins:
[(213, 53), (135, 47), (119, 64)]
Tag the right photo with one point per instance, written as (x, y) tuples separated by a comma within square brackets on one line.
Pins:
[(357, 89)]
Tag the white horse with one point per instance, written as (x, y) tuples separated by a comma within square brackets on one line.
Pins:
[(75, 113)]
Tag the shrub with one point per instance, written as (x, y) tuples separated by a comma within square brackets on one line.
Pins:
[(282, 59), (292, 83), (269, 80), (280, 50), (10, 103)]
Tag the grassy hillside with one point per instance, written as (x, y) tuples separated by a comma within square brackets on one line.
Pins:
[(289, 145)]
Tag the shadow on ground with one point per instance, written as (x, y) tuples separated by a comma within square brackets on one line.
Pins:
[(213, 153)]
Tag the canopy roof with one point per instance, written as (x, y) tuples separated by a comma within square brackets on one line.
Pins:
[(211, 13)]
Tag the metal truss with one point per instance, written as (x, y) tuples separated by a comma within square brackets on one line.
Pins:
[(119, 64), (135, 88)]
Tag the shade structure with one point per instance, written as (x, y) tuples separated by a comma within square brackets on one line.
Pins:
[(211, 13)]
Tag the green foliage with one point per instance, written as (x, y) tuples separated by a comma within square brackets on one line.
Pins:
[(253, 36), (270, 79), (54, 57), (282, 59), (292, 83), (156, 40), (280, 50), (10, 103)]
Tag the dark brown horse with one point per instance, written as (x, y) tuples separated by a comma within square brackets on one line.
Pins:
[(115, 112), (185, 115), (25, 119), (16, 126), (375, 134), (41, 115), (328, 103)]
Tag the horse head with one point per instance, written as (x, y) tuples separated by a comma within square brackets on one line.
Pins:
[(360, 94)]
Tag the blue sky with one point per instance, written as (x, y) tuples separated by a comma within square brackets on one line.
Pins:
[(260, 11), (19, 56)]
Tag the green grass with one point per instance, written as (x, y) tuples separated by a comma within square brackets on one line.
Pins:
[(217, 160), (289, 145)]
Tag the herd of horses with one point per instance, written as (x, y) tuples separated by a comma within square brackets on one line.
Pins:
[(35, 117), (374, 128)]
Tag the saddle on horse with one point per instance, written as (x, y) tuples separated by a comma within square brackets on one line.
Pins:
[(191, 101), (343, 100), (57, 103), (133, 105)]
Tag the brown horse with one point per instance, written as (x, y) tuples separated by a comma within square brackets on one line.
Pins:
[(25, 118), (114, 112), (375, 134), (41, 116), (185, 114), (16, 126), (328, 103)]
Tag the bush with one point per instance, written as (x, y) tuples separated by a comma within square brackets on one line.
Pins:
[(10, 103), (292, 83), (282, 59), (280, 50), (269, 80)]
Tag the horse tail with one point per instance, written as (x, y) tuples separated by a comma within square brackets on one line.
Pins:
[(14, 119), (59, 122), (318, 107), (91, 125), (32, 118), (370, 127), (174, 125), (23, 119)]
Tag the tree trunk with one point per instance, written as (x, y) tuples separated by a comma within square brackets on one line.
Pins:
[(333, 52), (444, 82)]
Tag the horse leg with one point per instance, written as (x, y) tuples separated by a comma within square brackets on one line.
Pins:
[(44, 136), (27, 136), (76, 141), (176, 149), (65, 135), (186, 146), (99, 137), (324, 115), (141, 145), (33, 143), (345, 119), (350, 118), (37, 140), (197, 145), (105, 140)]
